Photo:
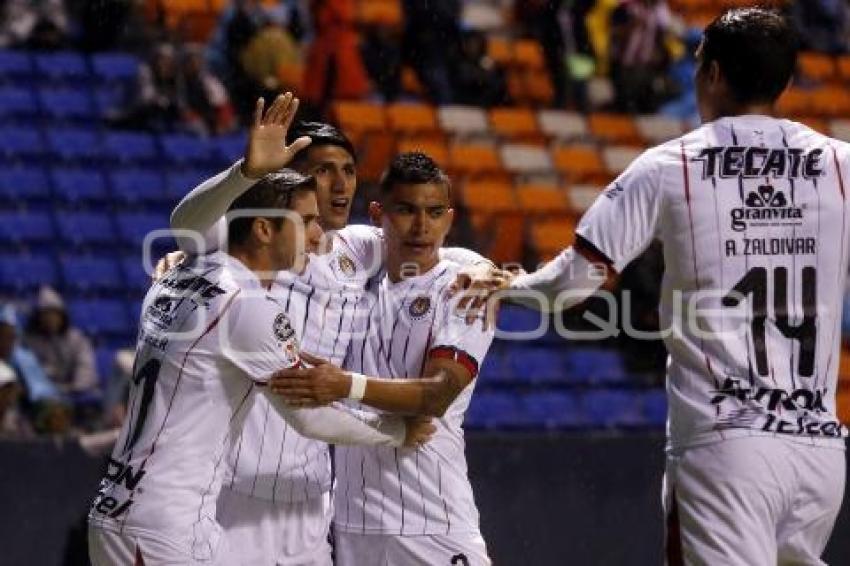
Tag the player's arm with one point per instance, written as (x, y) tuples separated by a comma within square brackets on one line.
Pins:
[(202, 210)]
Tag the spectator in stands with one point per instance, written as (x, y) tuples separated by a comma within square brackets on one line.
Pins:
[(639, 57), (38, 24), (271, 50), (157, 104), (207, 106), (42, 402), (476, 79), (382, 55), (822, 24), (64, 352), (542, 21), (12, 420), (336, 69), (431, 42)]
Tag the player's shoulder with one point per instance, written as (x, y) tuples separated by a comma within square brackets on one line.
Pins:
[(358, 234)]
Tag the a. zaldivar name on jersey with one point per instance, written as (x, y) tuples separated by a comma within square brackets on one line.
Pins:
[(771, 246)]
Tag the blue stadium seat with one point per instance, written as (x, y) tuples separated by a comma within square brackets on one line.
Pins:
[(24, 184), (179, 183), (110, 67), (102, 317), (597, 366), (74, 144), (655, 407), (15, 65), (134, 227), (21, 144), (612, 408), (109, 100), (65, 66), (105, 361), (86, 228), (67, 104), (79, 185), (539, 364), (19, 273), (494, 410), (25, 228), (133, 186), (231, 148), (182, 149), (495, 369), (130, 147), (553, 410), (136, 277), (85, 273), (17, 103), (517, 319)]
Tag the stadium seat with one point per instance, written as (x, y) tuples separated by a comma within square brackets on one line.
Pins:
[(413, 119), (539, 364), (102, 317), (515, 320), (563, 125), (500, 49), (25, 228), (15, 65), (19, 273), (24, 184), (514, 123), (598, 365), (475, 158), (654, 404), (794, 102), (360, 117), (526, 159), (489, 197), (435, 148), (136, 277), (843, 405), (133, 228), (528, 53), (550, 236), (86, 274), (614, 128), (579, 164), (17, 104), (843, 67), (86, 228), (618, 157), (817, 66), (79, 185), (553, 410), (65, 66), (109, 100), (541, 199), (230, 148), (580, 197), (111, 67), (179, 183), (74, 145), (538, 87), (833, 102), (136, 185), (183, 149), (658, 129), (463, 120), (385, 13), (130, 147), (66, 104), (492, 410), (494, 369), (104, 357), (21, 144), (612, 408)]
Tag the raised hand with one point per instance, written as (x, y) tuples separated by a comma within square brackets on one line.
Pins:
[(267, 150)]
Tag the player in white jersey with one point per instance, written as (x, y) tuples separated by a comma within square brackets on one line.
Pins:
[(752, 212), (406, 507), (210, 337), (275, 500)]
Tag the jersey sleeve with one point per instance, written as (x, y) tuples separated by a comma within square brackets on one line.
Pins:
[(463, 256), (258, 337), (365, 245), (624, 219), (454, 339)]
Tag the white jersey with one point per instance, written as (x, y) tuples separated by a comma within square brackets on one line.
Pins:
[(209, 335), (403, 491), (752, 213), (271, 460)]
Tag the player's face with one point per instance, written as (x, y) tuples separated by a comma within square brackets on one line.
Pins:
[(296, 239), (416, 220), (336, 181)]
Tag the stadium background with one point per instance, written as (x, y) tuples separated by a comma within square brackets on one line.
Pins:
[(532, 107)]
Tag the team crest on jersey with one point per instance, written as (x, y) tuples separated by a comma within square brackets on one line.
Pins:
[(346, 265), (419, 307), (765, 206), (282, 328)]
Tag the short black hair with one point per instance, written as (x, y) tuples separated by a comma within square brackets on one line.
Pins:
[(322, 134), (756, 49), (275, 191), (413, 168)]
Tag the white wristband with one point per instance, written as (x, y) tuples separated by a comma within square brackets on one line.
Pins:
[(358, 386)]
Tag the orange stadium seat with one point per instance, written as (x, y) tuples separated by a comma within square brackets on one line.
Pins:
[(435, 148), (831, 102), (514, 123), (489, 196), (359, 117), (817, 66), (551, 236), (379, 13), (794, 102), (474, 159), (541, 199), (412, 118), (580, 197), (843, 405), (528, 53), (842, 65), (614, 128), (844, 366), (580, 164), (500, 49), (538, 88)]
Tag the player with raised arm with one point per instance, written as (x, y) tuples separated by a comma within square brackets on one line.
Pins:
[(406, 507), (752, 211), (210, 337)]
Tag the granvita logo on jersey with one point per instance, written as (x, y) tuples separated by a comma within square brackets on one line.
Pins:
[(765, 206)]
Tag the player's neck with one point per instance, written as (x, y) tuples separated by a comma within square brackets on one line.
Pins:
[(732, 110), (258, 262), (399, 270)]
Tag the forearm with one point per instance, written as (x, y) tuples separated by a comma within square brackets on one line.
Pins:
[(207, 204), (463, 256), (427, 396), (561, 284), (339, 424)]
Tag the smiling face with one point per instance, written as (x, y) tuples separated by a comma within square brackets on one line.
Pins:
[(335, 172)]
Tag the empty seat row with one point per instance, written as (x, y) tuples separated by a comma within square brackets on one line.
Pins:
[(74, 273), (556, 364), (68, 66), (81, 228)]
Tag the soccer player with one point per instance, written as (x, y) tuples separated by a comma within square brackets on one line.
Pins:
[(406, 507), (210, 337), (752, 212)]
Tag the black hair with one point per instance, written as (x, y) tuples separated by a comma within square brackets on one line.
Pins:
[(321, 134), (34, 325), (413, 168), (275, 191), (756, 50)]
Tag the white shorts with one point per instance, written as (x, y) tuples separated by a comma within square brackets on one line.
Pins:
[(392, 550), (752, 501), (111, 548), (262, 532)]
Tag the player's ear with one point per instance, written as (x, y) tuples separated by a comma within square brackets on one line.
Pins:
[(262, 229), (376, 212)]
